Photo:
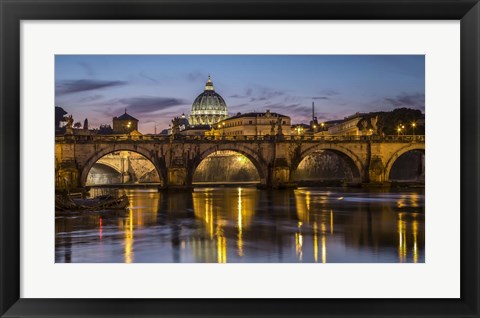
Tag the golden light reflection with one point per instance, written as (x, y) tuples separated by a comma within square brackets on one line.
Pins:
[(414, 199), (322, 224), (307, 200), (303, 203), (100, 225), (221, 245), (144, 203), (324, 228), (217, 211), (299, 242), (402, 239), (239, 223), (315, 242), (324, 249), (208, 215), (415, 235), (331, 221), (129, 238), (411, 199)]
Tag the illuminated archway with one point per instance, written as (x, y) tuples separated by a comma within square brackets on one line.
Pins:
[(120, 167), (326, 164), (226, 166)]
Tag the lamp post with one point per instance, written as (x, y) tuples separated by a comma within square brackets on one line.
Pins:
[(413, 128)]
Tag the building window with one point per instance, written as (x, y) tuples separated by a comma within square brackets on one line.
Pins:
[(250, 122)]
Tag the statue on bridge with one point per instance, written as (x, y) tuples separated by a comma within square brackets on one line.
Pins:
[(69, 125), (373, 122), (272, 128), (279, 126), (175, 126)]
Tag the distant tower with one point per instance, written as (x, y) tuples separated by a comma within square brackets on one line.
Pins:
[(314, 122), (85, 124), (313, 111)]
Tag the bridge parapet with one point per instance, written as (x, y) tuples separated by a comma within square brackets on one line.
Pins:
[(244, 138)]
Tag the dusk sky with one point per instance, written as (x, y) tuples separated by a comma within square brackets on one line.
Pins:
[(156, 88)]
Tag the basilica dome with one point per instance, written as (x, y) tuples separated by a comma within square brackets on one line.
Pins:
[(209, 107)]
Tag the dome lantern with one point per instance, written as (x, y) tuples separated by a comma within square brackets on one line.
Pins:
[(209, 84)]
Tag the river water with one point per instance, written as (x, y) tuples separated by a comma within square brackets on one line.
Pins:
[(246, 225)]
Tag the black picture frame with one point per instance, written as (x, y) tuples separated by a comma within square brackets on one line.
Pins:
[(12, 12)]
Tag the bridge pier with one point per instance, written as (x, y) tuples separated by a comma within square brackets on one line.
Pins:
[(280, 175), (177, 179), (280, 172), (67, 176), (376, 170), (280, 178)]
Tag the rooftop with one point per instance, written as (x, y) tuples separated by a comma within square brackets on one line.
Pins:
[(126, 117), (257, 114)]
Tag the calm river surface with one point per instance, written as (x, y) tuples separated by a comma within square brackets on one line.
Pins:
[(246, 225)]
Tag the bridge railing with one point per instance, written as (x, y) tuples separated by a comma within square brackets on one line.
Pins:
[(244, 138)]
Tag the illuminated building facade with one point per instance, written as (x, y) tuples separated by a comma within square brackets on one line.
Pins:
[(355, 125), (255, 124)]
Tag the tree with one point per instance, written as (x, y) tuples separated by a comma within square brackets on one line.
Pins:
[(59, 116), (105, 129), (77, 125), (388, 122)]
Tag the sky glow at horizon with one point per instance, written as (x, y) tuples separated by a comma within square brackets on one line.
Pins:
[(156, 88)]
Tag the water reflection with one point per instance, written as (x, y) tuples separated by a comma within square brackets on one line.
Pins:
[(225, 225)]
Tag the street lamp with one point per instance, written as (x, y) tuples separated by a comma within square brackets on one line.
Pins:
[(413, 128)]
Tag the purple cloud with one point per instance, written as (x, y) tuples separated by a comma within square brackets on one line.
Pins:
[(77, 86)]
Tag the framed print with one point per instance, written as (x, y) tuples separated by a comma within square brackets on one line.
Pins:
[(239, 159)]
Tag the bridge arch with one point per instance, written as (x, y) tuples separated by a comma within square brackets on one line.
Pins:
[(105, 163), (102, 173), (391, 161), (352, 160), (116, 148), (251, 155)]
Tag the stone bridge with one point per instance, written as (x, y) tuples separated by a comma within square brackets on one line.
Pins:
[(371, 158)]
